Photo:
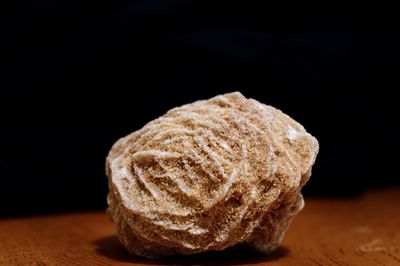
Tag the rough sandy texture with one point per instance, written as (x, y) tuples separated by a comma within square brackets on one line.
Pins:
[(207, 176)]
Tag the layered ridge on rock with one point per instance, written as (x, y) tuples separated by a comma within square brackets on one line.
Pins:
[(209, 175)]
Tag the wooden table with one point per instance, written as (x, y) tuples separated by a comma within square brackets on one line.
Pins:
[(363, 230)]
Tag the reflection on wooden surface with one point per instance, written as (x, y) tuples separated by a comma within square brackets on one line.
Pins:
[(350, 231)]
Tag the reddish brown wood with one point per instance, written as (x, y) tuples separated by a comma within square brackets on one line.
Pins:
[(356, 231)]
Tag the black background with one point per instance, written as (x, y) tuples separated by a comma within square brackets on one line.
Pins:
[(76, 76)]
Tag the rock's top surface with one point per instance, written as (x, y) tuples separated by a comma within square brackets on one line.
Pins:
[(209, 175)]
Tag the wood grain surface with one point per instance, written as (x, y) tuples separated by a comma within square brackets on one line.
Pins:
[(364, 230)]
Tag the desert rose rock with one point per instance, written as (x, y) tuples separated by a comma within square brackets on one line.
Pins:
[(207, 176)]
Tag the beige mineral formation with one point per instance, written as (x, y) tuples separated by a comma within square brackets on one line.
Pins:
[(207, 176)]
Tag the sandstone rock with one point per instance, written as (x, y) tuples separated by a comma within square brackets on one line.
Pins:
[(207, 176)]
